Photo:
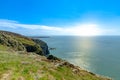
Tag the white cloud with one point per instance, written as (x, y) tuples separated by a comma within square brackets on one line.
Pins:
[(15, 24), (79, 29)]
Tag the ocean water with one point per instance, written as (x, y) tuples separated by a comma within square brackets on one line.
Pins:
[(100, 55)]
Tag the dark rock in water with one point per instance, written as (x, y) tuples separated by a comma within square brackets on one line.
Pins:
[(52, 48)]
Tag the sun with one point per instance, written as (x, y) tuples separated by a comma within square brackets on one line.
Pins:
[(87, 30)]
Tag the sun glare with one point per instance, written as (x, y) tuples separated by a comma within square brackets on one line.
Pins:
[(87, 30)]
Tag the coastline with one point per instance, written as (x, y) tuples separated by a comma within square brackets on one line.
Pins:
[(60, 62), (32, 56)]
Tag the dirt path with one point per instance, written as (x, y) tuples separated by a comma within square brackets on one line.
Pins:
[(6, 76)]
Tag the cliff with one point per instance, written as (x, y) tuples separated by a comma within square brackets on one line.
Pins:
[(19, 42), (31, 65)]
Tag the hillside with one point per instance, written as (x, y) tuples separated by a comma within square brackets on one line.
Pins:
[(17, 42), (19, 60)]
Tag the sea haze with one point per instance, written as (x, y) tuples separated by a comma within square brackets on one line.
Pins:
[(100, 55)]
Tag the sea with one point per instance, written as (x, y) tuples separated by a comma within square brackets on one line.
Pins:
[(98, 54)]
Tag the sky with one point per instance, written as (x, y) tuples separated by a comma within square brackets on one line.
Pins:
[(61, 17)]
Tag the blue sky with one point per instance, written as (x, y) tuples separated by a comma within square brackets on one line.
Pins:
[(60, 17)]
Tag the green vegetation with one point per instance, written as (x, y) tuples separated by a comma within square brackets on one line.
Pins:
[(31, 66), (34, 67), (18, 42), (3, 48), (15, 42)]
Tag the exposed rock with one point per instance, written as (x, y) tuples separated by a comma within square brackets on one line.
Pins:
[(51, 57), (19, 42), (43, 45)]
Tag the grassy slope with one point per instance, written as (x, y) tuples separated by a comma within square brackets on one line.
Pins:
[(3, 48), (15, 36), (14, 66), (18, 42), (14, 40)]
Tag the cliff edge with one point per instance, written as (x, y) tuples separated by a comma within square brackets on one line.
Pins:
[(30, 65), (21, 43)]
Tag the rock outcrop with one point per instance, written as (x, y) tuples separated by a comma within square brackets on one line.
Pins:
[(19, 42), (43, 45)]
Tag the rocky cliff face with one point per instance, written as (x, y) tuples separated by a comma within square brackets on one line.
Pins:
[(43, 45), (19, 42)]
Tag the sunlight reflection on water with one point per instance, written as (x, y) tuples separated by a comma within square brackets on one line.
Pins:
[(85, 47), (97, 54)]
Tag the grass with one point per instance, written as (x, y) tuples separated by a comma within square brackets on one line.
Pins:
[(30, 66), (18, 43), (3, 48), (25, 41), (34, 67)]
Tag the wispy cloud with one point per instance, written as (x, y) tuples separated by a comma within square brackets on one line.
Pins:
[(48, 30), (15, 24), (77, 29)]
